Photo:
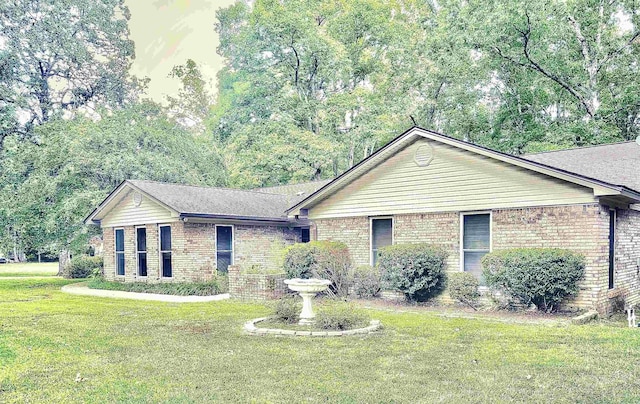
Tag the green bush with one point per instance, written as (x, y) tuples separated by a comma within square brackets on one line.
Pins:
[(320, 259), (209, 288), (463, 287), (83, 266), (287, 309), (340, 316), (366, 281), (540, 276), (417, 270)]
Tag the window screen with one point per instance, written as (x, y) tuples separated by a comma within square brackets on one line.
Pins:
[(119, 235), (141, 243), (224, 247), (165, 251), (381, 236), (476, 242)]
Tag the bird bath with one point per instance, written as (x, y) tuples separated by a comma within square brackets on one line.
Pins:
[(307, 288)]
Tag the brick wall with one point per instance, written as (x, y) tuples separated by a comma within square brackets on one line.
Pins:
[(581, 228), (194, 250), (255, 286), (627, 254)]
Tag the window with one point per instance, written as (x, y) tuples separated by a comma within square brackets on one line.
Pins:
[(224, 247), (141, 250), (119, 236), (165, 252), (612, 246), (305, 235), (476, 242), (381, 236)]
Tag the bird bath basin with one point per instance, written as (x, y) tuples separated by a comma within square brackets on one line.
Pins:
[(307, 289)]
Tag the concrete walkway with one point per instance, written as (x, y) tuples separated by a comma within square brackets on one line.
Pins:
[(82, 289)]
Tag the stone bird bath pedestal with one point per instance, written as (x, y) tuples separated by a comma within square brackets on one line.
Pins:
[(307, 288)]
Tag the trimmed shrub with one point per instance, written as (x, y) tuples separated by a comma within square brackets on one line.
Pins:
[(287, 309), (341, 316), (540, 276), (174, 288), (83, 266), (417, 270), (463, 287), (366, 281), (320, 259)]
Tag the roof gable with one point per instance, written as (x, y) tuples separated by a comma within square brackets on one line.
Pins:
[(599, 187)]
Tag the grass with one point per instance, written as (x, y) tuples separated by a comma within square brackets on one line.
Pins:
[(29, 269), (179, 289), (56, 347)]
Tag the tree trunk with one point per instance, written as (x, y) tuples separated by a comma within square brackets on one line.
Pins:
[(63, 258)]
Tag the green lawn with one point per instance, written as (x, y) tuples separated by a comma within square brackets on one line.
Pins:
[(29, 269), (134, 351)]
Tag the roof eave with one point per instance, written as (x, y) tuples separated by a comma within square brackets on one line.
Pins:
[(254, 219)]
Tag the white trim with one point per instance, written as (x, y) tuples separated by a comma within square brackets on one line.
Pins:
[(135, 241), (472, 213), (393, 236), (635, 206), (115, 252), (233, 243), (160, 251)]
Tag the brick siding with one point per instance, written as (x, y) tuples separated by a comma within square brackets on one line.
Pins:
[(194, 250), (245, 286), (627, 256), (580, 228)]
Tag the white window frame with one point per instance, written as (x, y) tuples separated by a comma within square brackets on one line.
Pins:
[(233, 243), (138, 252), (116, 252), (160, 251), (462, 215), (393, 234)]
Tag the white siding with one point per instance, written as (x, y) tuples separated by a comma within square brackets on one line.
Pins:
[(456, 180), (125, 213)]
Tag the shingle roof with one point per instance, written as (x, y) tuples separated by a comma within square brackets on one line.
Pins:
[(216, 201), (297, 192), (617, 163)]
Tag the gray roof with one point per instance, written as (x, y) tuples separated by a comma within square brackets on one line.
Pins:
[(297, 192), (616, 164), (187, 199)]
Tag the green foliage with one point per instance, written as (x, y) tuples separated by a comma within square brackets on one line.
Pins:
[(46, 190), (65, 56), (463, 287), (287, 309), (210, 288), (417, 270), (340, 316), (366, 281), (540, 276), (83, 266), (320, 259)]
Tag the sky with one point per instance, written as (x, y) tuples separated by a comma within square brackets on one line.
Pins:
[(167, 33)]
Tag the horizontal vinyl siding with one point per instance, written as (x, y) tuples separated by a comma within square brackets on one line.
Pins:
[(456, 180), (125, 213)]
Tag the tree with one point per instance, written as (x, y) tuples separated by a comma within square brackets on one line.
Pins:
[(61, 56), (48, 189), (192, 105)]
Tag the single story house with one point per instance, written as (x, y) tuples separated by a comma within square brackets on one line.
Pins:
[(421, 187)]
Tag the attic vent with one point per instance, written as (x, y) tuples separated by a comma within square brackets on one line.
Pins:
[(137, 198), (424, 155)]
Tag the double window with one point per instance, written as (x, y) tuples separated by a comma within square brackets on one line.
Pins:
[(381, 236), (141, 250), (476, 241), (119, 241), (224, 248), (165, 252)]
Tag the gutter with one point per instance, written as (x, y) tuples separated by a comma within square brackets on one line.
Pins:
[(256, 219)]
